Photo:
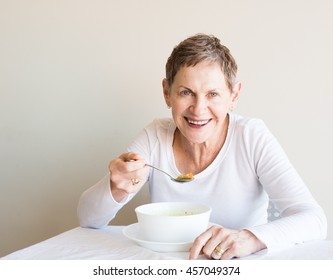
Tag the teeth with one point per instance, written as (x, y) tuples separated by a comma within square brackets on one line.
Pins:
[(198, 122)]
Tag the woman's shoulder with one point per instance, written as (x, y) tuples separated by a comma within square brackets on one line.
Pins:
[(160, 125), (251, 133), (247, 123), (157, 131), (249, 127)]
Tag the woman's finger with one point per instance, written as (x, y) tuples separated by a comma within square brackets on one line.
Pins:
[(217, 237), (127, 163), (199, 243), (130, 156)]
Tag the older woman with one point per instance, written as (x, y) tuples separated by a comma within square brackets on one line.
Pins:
[(238, 164)]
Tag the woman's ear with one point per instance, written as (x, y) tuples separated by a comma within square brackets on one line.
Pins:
[(235, 95), (236, 90), (166, 92)]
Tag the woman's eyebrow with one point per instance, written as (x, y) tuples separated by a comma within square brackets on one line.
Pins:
[(184, 87), (216, 89), (181, 86), (208, 90)]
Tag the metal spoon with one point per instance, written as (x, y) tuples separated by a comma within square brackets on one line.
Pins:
[(179, 179)]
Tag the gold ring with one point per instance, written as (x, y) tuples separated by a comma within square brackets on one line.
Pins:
[(219, 250), (135, 181), (217, 253)]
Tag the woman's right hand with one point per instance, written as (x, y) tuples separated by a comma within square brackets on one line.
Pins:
[(128, 173)]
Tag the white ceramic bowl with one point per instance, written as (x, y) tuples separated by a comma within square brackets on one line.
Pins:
[(172, 221)]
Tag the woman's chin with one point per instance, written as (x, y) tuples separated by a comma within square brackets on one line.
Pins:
[(196, 139)]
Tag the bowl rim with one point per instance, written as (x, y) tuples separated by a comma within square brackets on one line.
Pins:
[(139, 208)]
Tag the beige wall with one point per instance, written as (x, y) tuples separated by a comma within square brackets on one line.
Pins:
[(79, 79)]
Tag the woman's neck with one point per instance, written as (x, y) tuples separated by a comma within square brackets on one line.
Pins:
[(195, 157)]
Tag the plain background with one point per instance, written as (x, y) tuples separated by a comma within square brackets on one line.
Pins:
[(79, 79)]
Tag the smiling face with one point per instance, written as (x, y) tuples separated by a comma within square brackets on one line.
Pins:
[(200, 100)]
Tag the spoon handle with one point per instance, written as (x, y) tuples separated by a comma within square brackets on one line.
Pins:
[(160, 170)]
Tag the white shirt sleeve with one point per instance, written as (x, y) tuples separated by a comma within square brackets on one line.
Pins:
[(302, 219), (97, 206)]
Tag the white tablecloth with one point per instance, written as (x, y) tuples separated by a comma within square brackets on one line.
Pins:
[(111, 244)]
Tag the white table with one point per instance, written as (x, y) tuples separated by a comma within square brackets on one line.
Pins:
[(110, 244)]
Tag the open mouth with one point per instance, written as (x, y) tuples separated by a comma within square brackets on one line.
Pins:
[(197, 123)]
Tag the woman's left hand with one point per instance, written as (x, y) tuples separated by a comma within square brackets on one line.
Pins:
[(221, 243)]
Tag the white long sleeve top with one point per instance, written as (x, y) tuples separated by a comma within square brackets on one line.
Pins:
[(250, 170)]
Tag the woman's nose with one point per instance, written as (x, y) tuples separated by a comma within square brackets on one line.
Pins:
[(199, 105)]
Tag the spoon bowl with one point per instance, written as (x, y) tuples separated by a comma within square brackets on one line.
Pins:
[(182, 178)]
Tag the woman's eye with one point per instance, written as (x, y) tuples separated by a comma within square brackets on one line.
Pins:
[(213, 94), (186, 92)]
